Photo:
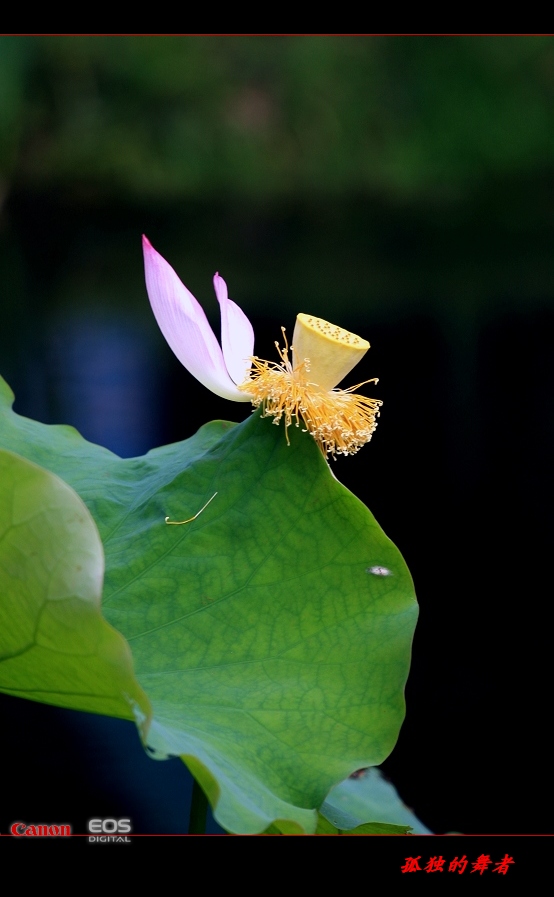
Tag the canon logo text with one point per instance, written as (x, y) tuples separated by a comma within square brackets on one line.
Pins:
[(18, 829)]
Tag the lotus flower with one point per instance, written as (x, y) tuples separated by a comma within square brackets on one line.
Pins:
[(301, 389)]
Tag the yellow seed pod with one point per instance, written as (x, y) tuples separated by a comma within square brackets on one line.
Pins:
[(331, 350)]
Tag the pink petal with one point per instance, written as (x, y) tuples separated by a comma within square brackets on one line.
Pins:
[(237, 335), (186, 327)]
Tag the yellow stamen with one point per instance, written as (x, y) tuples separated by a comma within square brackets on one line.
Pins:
[(340, 421)]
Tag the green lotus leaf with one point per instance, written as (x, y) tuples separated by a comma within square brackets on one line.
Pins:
[(55, 646), (272, 634), (365, 797)]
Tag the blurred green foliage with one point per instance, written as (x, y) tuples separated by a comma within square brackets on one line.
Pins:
[(271, 117), (394, 176)]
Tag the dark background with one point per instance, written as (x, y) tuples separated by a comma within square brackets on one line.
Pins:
[(401, 187)]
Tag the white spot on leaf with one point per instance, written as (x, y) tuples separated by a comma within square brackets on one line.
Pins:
[(379, 571)]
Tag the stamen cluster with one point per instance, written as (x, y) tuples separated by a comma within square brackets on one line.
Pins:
[(339, 420)]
